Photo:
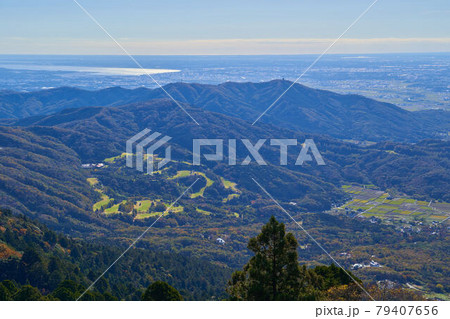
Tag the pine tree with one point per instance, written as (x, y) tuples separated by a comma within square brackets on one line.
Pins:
[(273, 273)]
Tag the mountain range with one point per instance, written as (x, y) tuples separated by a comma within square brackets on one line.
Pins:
[(350, 117)]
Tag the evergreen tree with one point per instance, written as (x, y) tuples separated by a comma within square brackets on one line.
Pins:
[(273, 273), (161, 291), (4, 293), (28, 293)]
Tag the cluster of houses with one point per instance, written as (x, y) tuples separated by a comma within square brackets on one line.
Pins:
[(93, 165), (371, 264)]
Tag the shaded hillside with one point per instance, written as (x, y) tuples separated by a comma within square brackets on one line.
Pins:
[(103, 133), (62, 268), (301, 108), (41, 175), (98, 133), (20, 105), (313, 111)]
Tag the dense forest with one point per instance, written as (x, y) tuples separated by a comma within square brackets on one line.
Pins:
[(35, 261), (39, 264)]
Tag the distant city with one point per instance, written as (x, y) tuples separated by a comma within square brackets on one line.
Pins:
[(411, 81)]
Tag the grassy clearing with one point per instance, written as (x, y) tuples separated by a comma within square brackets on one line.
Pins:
[(142, 209), (182, 174), (201, 211), (115, 158), (114, 209), (105, 199), (229, 184), (230, 197), (176, 209), (186, 173), (148, 215), (92, 181), (209, 182), (102, 203), (143, 205)]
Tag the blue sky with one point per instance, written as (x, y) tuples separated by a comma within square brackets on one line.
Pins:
[(223, 27)]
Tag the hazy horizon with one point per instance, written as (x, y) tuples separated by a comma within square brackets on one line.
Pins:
[(232, 28)]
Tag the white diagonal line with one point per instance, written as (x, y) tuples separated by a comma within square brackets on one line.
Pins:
[(316, 60), (137, 239), (133, 59), (312, 238)]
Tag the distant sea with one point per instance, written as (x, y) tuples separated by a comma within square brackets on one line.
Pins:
[(413, 81)]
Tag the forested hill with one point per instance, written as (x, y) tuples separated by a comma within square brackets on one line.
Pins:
[(40, 163), (301, 108), (36, 261)]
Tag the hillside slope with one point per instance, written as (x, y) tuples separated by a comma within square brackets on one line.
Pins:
[(61, 267), (301, 108)]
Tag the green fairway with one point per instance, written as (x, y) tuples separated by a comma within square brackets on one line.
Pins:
[(148, 215), (229, 184), (143, 205), (182, 174), (209, 182), (175, 209), (102, 203), (114, 209), (230, 197)]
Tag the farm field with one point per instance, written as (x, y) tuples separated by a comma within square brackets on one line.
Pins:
[(370, 202)]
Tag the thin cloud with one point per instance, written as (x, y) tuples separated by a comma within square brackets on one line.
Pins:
[(223, 46)]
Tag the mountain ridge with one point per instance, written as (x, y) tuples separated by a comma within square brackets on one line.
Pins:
[(301, 108)]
